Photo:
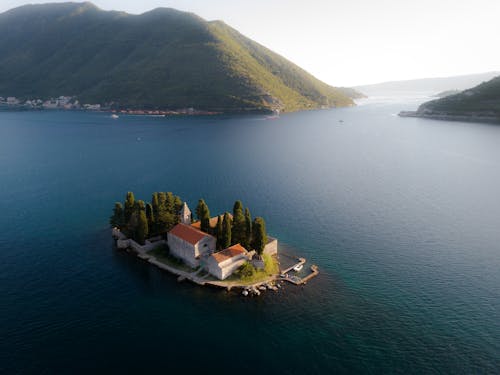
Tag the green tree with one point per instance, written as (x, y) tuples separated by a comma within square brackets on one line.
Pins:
[(170, 203), (226, 232), (205, 221), (118, 218), (133, 222), (142, 230), (178, 203), (248, 229), (203, 214), (218, 232), (162, 200), (155, 203), (150, 216), (129, 206), (238, 232), (165, 221), (200, 207), (259, 240)]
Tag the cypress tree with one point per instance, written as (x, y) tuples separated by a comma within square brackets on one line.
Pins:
[(178, 203), (237, 206), (238, 229), (170, 203), (150, 216), (155, 203), (133, 221), (142, 229), (248, 229), (200, 209), (203, 215), (162, 201), (205, 220), (164, 221), (226, 231), (259, 235), (117, 219), (218, 232), (129, 206)]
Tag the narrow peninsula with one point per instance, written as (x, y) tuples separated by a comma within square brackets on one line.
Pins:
[(478, 104)]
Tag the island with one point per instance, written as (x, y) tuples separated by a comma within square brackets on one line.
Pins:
[(229, 250)]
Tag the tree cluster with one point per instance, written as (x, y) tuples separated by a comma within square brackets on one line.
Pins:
[(240, 229), (138, 219)]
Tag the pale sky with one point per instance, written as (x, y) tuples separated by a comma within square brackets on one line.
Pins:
[(354, 42)]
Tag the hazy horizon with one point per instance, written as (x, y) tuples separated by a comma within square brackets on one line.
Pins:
[(354, 43)]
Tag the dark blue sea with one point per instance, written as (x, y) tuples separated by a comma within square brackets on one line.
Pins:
[(402, 216)]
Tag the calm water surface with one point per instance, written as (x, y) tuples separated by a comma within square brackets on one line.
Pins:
[(401, 215)]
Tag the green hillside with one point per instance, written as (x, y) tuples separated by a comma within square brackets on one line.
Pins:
[(482, 99), (160, 59)]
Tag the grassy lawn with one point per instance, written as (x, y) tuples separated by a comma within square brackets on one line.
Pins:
[(162, 255), (271, 268)]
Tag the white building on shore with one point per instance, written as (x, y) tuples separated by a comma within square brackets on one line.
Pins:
[(190, 244), (194, 247), (223, 263)]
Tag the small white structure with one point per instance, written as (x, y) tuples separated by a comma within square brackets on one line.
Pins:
[(12, 100), (185, 214), (223, 263), (271, 247), (189, 244)]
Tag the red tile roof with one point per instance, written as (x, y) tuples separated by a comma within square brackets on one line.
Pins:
[(188, 233), (229, 253)]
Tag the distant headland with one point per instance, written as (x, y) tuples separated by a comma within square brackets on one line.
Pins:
[(229, 251), (478, 104)]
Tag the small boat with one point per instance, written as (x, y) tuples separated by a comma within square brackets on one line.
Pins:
[(115, 116), (298, 268)]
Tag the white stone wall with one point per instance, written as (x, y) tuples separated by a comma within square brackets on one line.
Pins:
[(271, 247), (224, 269), (233, 266), (213, 268), (183, 250), (117, 234), (205, 247), (122, 244)]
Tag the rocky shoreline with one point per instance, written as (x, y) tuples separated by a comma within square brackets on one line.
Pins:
[(466, 117)]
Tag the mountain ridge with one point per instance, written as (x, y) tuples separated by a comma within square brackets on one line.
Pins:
[(163, 58), (429, 85)]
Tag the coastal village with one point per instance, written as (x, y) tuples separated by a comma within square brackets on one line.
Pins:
[(201, 252), (71, 103)]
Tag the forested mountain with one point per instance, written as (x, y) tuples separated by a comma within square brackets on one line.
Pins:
[(160, 59)]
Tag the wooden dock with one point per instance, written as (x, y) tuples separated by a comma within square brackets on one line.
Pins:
[(298, 281), (301, 262)]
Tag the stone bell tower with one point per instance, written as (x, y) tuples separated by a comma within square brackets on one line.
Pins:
[(185, 214)]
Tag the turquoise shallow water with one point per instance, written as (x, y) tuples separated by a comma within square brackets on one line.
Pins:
[(401, 215)]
